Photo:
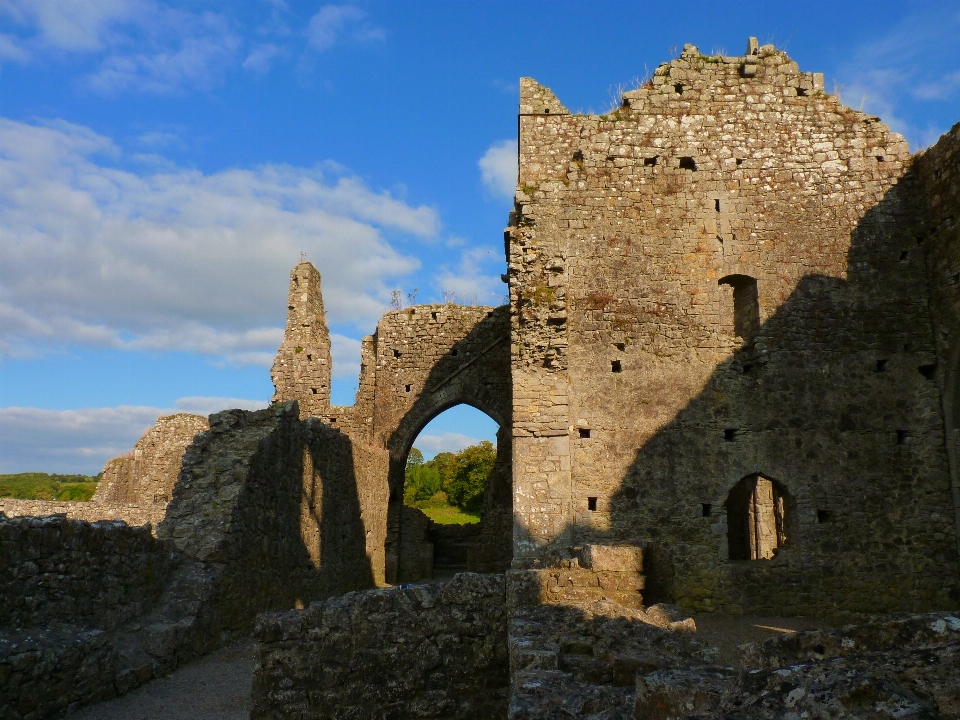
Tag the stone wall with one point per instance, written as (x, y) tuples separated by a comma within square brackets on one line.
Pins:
[(431, 651), (303, 364), (939, 169), (57, 570), (130, 513), (148, 474), (717, 280)]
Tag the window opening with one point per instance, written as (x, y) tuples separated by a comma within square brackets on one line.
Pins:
[(584, 432), (928, 371), (882, 365), (902, 437), (591, 504), (688, 163), (650, 161), (756, 519), (706, 509), (730, 434), (823, 516), (396, 353), (616, 366), (746, 305), (717, 204)]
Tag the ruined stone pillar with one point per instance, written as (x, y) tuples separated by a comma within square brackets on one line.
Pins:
[(303, 365)]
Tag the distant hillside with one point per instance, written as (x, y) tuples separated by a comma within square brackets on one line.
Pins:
[(43, 486)]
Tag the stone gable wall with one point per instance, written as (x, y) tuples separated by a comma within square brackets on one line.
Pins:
[(634, 396)]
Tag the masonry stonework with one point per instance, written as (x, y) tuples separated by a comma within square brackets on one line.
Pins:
[(720, 279), (148, 474)]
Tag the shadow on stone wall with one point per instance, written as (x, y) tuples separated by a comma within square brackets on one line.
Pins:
[(834, 400), (479, 377)]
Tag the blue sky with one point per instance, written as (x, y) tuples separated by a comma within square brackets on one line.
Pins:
[(163, 164)]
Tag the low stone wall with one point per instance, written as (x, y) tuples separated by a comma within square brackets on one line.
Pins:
[(431, 651), (94, 574), (130, 513)]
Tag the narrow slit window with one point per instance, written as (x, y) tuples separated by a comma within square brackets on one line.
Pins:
[(746, 305), (408, 387), (716, 204), (396, 353)]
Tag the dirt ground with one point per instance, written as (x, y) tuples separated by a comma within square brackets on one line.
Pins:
[(216, 687)]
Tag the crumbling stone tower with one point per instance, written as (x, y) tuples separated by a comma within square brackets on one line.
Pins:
[(302, 368)]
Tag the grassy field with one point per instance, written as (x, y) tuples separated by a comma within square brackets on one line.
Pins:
[(447, 514), (43, 486)]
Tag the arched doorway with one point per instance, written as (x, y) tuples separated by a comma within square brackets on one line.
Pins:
[(451, 509)]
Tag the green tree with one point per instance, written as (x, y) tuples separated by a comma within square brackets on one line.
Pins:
[(473, 465), (414, 458)]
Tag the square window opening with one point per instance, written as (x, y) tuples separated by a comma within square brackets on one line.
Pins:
[(584, 432), (591, 504), (706, 509), (616, 366)]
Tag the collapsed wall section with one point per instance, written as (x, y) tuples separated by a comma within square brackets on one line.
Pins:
[(720, 280)]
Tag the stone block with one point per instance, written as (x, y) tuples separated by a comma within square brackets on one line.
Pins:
[(612, 558)]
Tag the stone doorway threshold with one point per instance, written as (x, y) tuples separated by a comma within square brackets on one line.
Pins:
[(216, 687)]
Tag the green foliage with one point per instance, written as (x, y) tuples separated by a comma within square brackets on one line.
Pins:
[(43, 486), (450, 479)]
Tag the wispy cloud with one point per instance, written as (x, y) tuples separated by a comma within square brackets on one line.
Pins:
[(334, 23), (453, 442), (81, 441), (498, 168), (889, 75), (176, 259), (475, 279)]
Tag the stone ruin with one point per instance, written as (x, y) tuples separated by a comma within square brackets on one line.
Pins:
[(727, 382)]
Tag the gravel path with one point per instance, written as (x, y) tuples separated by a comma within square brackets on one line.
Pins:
[(217, 687)]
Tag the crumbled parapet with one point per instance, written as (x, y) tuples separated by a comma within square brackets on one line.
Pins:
[(535, 99), (584, 658)]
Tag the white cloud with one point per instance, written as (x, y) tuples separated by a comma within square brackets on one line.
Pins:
[(94, 254), (469, 283), (498, 168), (81, 441), (261, 58), (78, 25), (346, 356), (453, 442), (880, 77), (334, 22)]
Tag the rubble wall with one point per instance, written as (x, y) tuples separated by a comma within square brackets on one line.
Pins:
[(58, 570), (130, 513), (939, 169), (428, 651), (147, 476), (642, 395)]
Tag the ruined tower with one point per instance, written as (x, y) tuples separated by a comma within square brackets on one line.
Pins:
[(302, 368)]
